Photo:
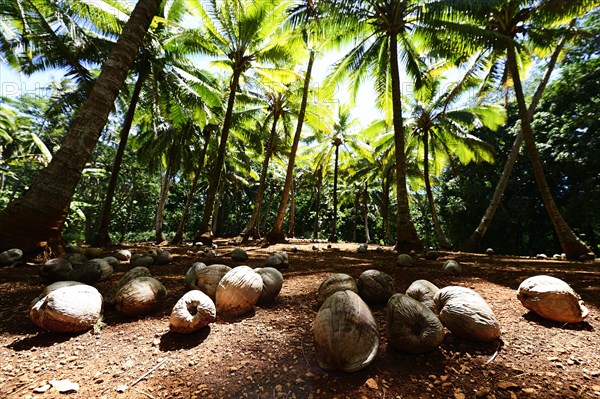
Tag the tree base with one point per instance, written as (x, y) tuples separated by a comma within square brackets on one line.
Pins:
[(276, 237), (205, 238)]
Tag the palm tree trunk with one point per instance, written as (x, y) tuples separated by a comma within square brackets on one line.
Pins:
[(38, 216), (102, 237), (204, 234), (177, 240), (164, 194), (356, 217), (318, 204), (406, 233), (385, 207), (253, 222), (216, 209), (476, 237), (571, 245), (366, 213), (443, 241), (276, 234), (292, 218), (333, 237)]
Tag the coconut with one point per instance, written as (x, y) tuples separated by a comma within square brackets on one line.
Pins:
[(238, 291), (190, 275), (77, 259), (333, 283), (277, 260), (123, 255), (139, 296), (111, 260), (207, 279), (411, 326), (162, 257), (139, 260), (140, 271), (89, 273), (67, 307), (552, 298), (432, 254), (239, 255), (192, 312), (465, 313), (57, 269), (452, 267), (272, 283), (345, 333), (11, 256), (423, 291), (405, 260), (375, 286)]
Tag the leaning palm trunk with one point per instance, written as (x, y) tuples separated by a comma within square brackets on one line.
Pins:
[(366, 213), (102, 237), (204, 234), (164, 193), (333, 237), (38, 216), (253, 222), (476, 237), (292, 217), (276, 234), (572, 246), (406, 233), (434, 216), (178, 238)]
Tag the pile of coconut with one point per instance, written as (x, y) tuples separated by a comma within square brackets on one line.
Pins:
[(346, 335)]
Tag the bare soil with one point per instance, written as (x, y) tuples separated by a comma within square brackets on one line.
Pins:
[(269, 353)]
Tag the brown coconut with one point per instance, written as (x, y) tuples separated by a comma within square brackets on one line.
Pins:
[(238, 291), (334, 283), (57, 269), (411, 326), (552, 298), (190, 275), (272, 283), (140, 271), (67, 307), (194, 311), (375, 286), (345, 333), (208, 278), (465, 313), (423, 291), (139, 296)]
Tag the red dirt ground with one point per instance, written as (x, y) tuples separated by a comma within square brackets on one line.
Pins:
[(270, 354)]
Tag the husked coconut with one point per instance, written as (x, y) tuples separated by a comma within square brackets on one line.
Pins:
[(423, 291), (139, 260), (375, 286), (92, 252), (238, 291), (140, 271), (190, 275), (334, 283), (111, 260), (411, 326), (139, 296), (465, 313), (67, 307), (272, 283), (452, 267), (239, 255), (124, 255), (89, 273), (277, 260), (53, 287), (11, 256), (162, 256), (405, 260), (552, 298), (208, 278), (57, 269), (192, 312), (345, 333)]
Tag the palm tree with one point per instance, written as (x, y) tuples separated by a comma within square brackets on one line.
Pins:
[(385, 32), (506, 28), (246, 33), (38, 216), (442, 127)]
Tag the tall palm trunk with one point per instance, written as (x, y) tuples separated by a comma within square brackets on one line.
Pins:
[(292, 218), (385, 207), (102, 237), (269, 147), (356, 215), (38, 216), (276, 234), (318, 202), (204, 234), (366, 213), (406, 233), (333, 237), (178, 238), (164, 194), (441, 237), (476, 237), (572, 246)]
